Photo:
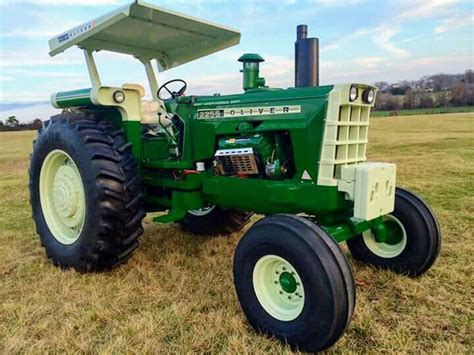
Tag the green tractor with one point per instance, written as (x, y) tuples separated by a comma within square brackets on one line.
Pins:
[(297, 156)]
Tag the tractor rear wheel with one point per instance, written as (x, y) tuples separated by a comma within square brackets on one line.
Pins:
[(294, 282), (213, 220), (85, 193), (414, 238)]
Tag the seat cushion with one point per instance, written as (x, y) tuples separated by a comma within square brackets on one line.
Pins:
[(150, 111)]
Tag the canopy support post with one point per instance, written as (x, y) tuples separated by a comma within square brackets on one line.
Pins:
[(150, 73), (92, 68)]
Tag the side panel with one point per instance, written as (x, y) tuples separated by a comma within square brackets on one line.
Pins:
[(270, 196), (304, 122)]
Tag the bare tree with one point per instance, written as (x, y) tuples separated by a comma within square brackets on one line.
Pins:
[(12, 121)]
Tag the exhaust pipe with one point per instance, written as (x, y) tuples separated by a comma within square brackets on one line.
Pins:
[(306, 58)]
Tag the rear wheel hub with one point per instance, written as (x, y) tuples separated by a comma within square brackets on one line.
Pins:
[(62, 196)]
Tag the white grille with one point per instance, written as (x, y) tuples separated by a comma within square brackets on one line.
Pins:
[(345, 135)]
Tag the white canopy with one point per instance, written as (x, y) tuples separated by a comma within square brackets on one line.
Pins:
[(149, 32)]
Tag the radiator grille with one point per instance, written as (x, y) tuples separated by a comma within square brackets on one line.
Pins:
[(345, 138), (352, 129), (236, 161)]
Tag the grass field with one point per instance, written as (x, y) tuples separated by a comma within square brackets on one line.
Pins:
[(176, 292), (423, 111)]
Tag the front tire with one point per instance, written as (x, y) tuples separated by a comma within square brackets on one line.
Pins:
[(294, 282), (416, 238), (85, 193)]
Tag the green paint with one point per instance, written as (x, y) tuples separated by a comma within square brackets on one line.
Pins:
[(251, 71), (181, 202), (287, 282), (394, 232), (275, 138), (133, 133), (75, 98)]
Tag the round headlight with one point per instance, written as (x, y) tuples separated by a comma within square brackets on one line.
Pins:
[(368, 96), (352, 93), (119, 96)]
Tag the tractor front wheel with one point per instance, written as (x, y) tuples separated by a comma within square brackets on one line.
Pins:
[(85, 193), (294, 282), (213, 220), (413, 242)]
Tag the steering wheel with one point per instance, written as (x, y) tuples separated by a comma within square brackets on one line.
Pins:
[(174, 94)]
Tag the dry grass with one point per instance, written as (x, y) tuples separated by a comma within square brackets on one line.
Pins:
[(176, 293)]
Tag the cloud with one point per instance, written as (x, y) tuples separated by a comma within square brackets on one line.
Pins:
[(454, 23), (41, 27), (370, 62), (5, 78), (349, 37), (411, 10), (382, 38), (62, 2), (338, 2), (384, 69), (6, 106), (34, 62), (24, 33), (35, 57), (28, 111), (47, 74), (414, 10)]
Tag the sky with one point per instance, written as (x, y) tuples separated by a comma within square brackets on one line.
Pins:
[(360, 41)]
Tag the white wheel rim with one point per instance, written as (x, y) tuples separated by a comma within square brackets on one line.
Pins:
[(62, 196), (385, 250), (202, 211), (278, 287)]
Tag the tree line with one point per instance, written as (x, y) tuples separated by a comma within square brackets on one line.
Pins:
[(440, 90), (13, 124)]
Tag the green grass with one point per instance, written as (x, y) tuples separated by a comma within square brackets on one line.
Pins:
[(423, 111), (176, 292)]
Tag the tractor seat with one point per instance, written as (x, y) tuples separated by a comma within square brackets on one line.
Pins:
[(151, 119), (149, 112), (150, 108)]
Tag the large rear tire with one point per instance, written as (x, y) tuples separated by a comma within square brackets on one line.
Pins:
[(214, 220), (294, 282), (85, 193), (415, 238)]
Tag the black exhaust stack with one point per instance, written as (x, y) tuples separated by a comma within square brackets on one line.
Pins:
[(306, 58)]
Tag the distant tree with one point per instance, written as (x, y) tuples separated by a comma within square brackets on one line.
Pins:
[(12, 122), (442, 99), (399, 90), (383, 86), (409, 101), (36, 124), (1, 123), (462, 95), (387, 102), (457, 95), (469, 76), (426, 102)]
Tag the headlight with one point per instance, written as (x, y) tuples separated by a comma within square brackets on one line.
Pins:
[(352, 93), (368, 96), (119, 96)]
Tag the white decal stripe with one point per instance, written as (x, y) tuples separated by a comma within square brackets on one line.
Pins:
[(248, 111)]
